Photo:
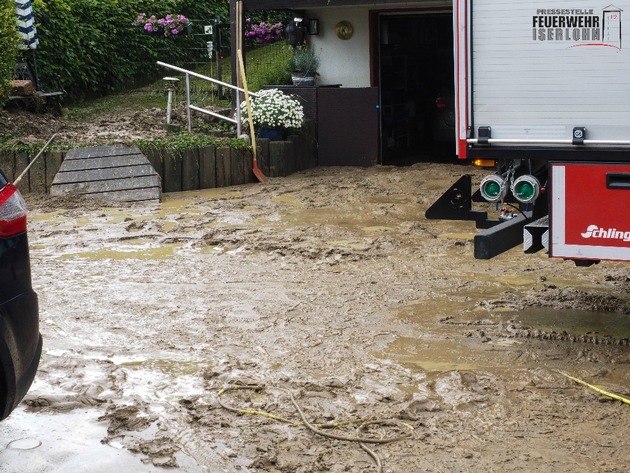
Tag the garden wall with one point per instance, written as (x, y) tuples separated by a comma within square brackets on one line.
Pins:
[(189, 169)]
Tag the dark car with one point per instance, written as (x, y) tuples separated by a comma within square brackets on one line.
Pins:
[(20, 340)]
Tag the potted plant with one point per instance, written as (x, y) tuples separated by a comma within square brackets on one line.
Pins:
[(303, 66), (273, 112)]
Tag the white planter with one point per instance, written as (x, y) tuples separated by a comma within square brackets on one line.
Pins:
[(303, 81)]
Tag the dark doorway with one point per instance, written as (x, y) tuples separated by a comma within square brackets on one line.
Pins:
[(416, 80)]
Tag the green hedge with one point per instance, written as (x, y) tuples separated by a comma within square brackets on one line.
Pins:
[(89, 47), (8, 47)]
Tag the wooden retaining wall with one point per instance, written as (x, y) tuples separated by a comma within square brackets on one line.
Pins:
[(191, 169)]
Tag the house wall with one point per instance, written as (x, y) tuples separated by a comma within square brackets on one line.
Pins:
[(347, 62), (344, 62)]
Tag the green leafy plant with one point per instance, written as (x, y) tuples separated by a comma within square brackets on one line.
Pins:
[(272, 108), (303, 61)]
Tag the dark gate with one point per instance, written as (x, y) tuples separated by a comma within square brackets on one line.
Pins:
[(348, 126)]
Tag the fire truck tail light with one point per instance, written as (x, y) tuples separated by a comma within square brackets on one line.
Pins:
[(493, 188), (484, 163), (526, 189)]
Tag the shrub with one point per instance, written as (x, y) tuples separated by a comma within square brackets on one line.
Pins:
[(8, 47), (91, 47)]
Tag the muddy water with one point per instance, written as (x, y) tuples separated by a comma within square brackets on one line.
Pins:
[(330, 290)]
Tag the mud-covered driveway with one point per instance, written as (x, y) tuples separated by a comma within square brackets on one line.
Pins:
[(328, 293)]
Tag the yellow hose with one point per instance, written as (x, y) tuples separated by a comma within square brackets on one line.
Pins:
[(595, 388)]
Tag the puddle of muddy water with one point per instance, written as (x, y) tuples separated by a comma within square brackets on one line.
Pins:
[(441, 343), (435, 354), (457, 335), (165, 251), (574, 321), (69, 442)]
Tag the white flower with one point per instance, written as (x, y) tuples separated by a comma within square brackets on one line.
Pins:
[(274, 109)]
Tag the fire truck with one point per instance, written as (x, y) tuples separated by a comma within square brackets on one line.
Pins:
[(543, 95)]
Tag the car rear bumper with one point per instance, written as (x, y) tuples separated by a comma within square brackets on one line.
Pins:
[(20, 349)]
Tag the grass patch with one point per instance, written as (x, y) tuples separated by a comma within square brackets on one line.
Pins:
[(185, 140), (265, 66), (134, 100)]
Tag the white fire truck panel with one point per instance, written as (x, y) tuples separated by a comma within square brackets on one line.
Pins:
[(539, 69)]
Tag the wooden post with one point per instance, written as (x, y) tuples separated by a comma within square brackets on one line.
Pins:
[(279, 153), (263, 156), (224, 177), (37, 176), (236, 167), (248, 162), (207, 167), (21, 161), (190, 169), (172, 171), (296, 154), (154, 156)]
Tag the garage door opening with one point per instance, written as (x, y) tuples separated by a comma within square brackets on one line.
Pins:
[(416, 81)]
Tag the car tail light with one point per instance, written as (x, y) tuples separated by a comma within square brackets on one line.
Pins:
[(12, 212), (440, 102)]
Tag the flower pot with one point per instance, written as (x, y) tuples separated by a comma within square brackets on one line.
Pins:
[(272, 134), (303, 81)]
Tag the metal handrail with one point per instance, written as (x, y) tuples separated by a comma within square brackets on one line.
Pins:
[(190, 107)]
